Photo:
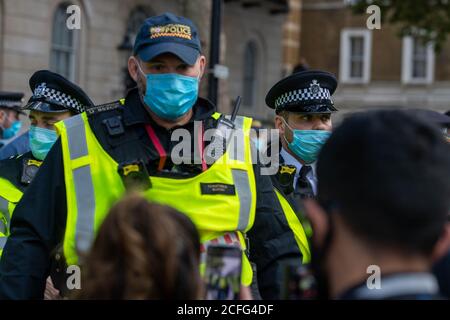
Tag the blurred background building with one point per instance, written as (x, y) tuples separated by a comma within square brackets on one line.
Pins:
[(374, 67), (261, 41)]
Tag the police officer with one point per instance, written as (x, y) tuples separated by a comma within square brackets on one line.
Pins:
[(128, 145), (303, 107), (54, 99), (10, 103)]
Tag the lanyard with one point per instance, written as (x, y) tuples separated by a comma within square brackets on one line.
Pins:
[(162, 153)]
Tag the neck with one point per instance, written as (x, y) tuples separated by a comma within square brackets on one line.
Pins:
[(169, 124), (349, 258)]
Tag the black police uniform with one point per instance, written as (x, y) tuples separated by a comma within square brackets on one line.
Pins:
[(23, 272)]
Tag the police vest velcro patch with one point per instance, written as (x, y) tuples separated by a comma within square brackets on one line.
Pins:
[(218, 188), (171, 30)]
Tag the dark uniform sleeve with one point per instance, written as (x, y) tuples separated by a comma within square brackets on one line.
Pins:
[(272, 243), (37, 226)]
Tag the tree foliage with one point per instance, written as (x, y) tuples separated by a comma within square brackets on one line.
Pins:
[(427, 19)]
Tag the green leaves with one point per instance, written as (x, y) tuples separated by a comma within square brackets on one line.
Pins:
[(427, 19)]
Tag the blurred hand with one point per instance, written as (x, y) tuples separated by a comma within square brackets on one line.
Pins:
[(245, 294), (51, 293)]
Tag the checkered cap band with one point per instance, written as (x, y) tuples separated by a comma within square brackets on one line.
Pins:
[(58, 97), (299, 95)]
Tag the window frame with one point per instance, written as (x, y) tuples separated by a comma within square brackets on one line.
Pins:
[(407, 62), (345, 55), (58, 49)]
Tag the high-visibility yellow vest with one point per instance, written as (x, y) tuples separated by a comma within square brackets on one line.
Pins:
[(296, 227), (93, 185), (10, 195)]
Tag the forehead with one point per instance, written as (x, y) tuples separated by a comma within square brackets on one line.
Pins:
[(46, 115), (168, 58), (310, 115)]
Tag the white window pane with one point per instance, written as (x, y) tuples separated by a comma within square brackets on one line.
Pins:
[(356, 69), (419, 69), (356, 57), (419, 59)]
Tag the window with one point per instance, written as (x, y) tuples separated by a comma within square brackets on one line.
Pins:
[(418, 61), (63, 50), (250, 59), (135, 21), (355, 60)]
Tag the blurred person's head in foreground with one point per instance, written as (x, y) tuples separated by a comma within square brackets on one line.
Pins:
[(441, 120), (383, 200), (143, 251)]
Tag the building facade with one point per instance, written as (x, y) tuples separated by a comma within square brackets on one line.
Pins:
[(33, 36), (375, 67)]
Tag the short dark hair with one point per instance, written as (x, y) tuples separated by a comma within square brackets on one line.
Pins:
[(388, 175)]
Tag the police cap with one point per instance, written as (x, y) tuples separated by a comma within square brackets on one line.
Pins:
[(304, 92), (54, 93), (168, 33), (11, 100)]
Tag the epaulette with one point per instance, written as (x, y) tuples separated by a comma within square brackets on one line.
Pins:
[(104, 107)]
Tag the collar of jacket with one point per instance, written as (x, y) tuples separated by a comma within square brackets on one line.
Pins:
[(421, 285), (134, 111)]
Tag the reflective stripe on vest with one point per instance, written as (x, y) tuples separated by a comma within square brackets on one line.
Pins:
[(84, 189), (4, 208), (4, 227), (3, 242)]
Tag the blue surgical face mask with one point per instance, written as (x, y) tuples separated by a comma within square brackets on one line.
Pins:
[(306, 144), (41, 141), (170, 95), (10, 132)]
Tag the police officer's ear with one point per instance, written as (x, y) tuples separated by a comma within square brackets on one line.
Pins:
[(133, 67), (202, 64), (279, 124)]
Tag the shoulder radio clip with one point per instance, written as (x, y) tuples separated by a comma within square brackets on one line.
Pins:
[(134, 175)]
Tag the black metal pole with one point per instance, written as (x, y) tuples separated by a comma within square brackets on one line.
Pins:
[(214, 54)]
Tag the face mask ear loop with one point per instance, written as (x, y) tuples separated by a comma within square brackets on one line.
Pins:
[(139, 67), (284, 135)]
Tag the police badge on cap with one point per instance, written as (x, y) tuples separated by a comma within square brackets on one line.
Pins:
[(304, 92)]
